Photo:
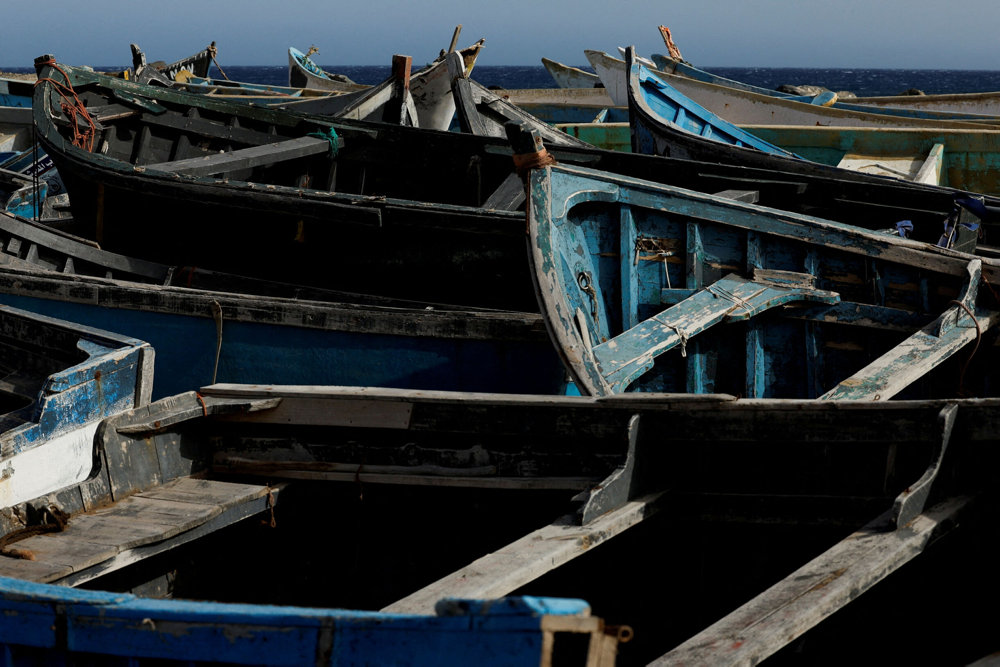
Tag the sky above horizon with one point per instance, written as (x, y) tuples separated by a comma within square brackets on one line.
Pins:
[(894, 34)]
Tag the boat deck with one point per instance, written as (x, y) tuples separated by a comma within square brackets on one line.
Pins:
[(140, 526)]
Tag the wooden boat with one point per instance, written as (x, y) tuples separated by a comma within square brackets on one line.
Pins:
[(742, 107), (557, 105), (794, 476), (304, 73), (665, 122), (377, 233), (162, 516), (646, 287), (60, 379), (206, 325), (967, 160), (567, 76), (485, 113), (987, 103), (15, 115), (194, 65), (673, 66)]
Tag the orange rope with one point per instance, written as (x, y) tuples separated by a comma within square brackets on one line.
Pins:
[(523, 162), (74, 109)]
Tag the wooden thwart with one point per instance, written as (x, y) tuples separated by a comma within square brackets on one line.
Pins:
[(814, 592), (924, 350), (164, 516), (244, 158), (499, 573), (628, 355)]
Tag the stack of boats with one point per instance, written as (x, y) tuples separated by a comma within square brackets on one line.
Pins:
[(421, 347)]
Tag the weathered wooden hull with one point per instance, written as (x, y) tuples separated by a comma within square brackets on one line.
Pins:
[(206, 326), (649, 288), (303, 73), (60, 380), (412, 215), (987, 104), (655, 133), (566, 76), (158, 491), (986, 109), (743, 107), (15, 115), (970, 161)]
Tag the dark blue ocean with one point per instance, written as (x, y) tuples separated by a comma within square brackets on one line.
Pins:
[(862, 82)]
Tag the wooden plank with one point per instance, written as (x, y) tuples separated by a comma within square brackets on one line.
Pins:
[(255, 505), (32, 570), (930, 171), (923, 351), (631, 353), (244, 158), (175, 517), (509, 196), (483, 477), (206, 492), (507, 569), (71, 550), (122, 532), (814, 592), (465, 106)]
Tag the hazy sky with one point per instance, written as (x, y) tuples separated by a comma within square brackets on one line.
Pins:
[(961, 34)]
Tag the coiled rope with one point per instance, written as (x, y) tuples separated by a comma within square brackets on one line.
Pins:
[(73, 108)]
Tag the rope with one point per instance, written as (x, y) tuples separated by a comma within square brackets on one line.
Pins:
[(717, 291), (524, 162), (330, 135), (270, 506), (73, 108), (212, 51), (217, 316), (201, 399), (59, 521)]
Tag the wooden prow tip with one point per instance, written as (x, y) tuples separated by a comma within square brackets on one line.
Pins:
[(454, 38), (668, 40)]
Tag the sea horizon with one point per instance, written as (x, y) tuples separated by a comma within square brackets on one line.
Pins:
[(860, 81)]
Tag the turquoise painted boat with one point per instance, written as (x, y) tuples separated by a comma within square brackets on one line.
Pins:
[(650, 288), (966, 160)]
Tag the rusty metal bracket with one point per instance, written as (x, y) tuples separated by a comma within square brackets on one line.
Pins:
[(910, 503)]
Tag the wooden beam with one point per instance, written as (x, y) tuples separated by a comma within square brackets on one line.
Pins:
[(507, 569), (244, 158), (625, 357), (815, 591), (923, 351)]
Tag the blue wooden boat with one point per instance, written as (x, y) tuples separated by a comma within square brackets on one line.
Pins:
[(916, 154), (207, 325), (15, 116), (60, 379), (159, 517), (107, 627), (666, 102), (650, 288)]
